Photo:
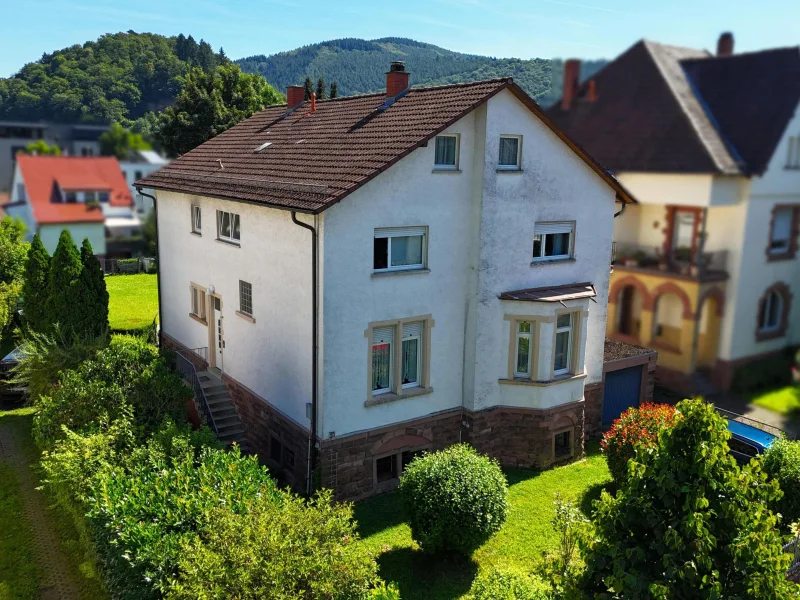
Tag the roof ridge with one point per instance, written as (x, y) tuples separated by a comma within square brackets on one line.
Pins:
[(743, 54)]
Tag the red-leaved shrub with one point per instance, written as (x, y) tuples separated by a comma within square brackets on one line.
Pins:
[(636, 425)]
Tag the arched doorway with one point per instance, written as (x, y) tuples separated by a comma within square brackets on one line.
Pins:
[(629, 311), (668, 320), (708, 332)]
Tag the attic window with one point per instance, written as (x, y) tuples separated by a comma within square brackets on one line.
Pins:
[(263, 146)]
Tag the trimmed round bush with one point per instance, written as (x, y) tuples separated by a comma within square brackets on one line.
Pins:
[(634, 426), (455, 499), (782, 462), (505, 584)]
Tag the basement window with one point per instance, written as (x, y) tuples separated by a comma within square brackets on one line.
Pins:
[(386, 468), (562, 444)]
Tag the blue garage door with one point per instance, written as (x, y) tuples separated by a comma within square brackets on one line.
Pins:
[(621, 392)]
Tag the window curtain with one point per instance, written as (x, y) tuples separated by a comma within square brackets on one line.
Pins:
[(446, 150), (508, 151)]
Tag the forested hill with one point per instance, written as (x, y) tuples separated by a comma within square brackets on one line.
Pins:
[(119, 77), (358, 66)]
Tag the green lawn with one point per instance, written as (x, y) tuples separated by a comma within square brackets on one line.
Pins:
[(19, 577), (521, 541), (785, 401), (133, 300)]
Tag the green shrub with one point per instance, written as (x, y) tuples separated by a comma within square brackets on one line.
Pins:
[(764, 374), (507, 584), (141, 513), (687, 522), (278, 550), (455, 499), (384, 592), (65, 270), (782, 463), (634, 426)]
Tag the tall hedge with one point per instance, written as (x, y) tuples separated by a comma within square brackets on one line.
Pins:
[(65, 269), (91, 317), (35, 286)]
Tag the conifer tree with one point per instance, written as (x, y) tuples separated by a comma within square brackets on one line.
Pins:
[(308, 86), (334, 90), (320, 89), (65, 269), (34, 286), (91, 295)]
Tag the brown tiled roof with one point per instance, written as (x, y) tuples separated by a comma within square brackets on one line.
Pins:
[(315, 159), (752, 97), (662, 108), (559, 293)]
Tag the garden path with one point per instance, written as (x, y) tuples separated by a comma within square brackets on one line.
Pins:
[(54, 579)]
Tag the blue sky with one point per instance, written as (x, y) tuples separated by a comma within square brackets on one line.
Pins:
[(503, 28)]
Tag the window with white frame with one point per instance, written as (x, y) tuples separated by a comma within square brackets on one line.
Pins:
[(510, 155), (246, 298), (197, 220), (524, 347), (198, 301), (781, 235), (553, 240), (399, 249), (446, 152), (228, 226), (563, 345), (411, 358), (382, 363), (793, 153), (771, 315)]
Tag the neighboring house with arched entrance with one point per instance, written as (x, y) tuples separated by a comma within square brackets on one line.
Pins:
[(706, 267)]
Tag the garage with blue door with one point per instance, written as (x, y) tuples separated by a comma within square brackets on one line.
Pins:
[(628, 378), (622, 390)]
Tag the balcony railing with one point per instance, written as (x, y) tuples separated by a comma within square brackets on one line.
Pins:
[(679, 261)]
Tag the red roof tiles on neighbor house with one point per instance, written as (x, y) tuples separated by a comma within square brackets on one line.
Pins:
[(44, 175), (308, 161)]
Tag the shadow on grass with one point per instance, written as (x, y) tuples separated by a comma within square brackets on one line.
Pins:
[(420, 576), (379, 513), (592, 493)]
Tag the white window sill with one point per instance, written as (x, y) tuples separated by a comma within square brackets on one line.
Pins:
[(245, 316), (229, 243), (446, 171), (197, 233), (551, 261), (392, 397), (400, 272), (555, 381), (198, 319)]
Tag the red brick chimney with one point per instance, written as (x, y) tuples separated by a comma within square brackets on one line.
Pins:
[(572, 71), (725, 44), (396, 79), (295, 95)]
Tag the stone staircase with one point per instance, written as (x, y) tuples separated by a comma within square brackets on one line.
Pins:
[(226, 419)]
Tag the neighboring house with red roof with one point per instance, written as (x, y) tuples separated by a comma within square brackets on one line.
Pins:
[(86, 195), (707, 267), (373, 276)]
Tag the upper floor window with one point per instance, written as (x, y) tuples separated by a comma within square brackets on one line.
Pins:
[(553, 240), (563, 346), (446, 151), (783, 230), (399, 249), (137, 175), (228, 226), (524, 346), (793, 153), (398, 352), (197, 220), (71, 197), (510, 155), (411, 365), (382, 368)]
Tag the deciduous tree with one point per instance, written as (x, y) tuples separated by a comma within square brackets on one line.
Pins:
[(120, 142)]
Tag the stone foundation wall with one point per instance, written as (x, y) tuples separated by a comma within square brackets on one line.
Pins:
[(724, 370), (262, 423), (593, 411), (171, 343)]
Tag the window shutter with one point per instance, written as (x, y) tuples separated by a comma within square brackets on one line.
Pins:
[(543, 228), (383, 335), (399, 231), (782, 225), (413, 329)]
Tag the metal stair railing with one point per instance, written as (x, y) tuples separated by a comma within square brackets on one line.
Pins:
[(187, 370)]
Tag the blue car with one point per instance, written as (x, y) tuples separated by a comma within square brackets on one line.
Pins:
[(748, 441)]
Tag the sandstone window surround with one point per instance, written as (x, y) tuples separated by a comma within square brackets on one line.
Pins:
[(546, 349), (197, 306), (773, 312), (783, 232), (398, 360)]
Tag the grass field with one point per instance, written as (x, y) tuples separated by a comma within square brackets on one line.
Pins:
[(521, 541), (785, 401), (133, 300), (19, 575)]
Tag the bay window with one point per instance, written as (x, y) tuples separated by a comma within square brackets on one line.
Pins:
[(524, 345), (563, 345)]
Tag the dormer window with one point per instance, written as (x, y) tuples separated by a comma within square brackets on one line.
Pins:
[(71, 197)]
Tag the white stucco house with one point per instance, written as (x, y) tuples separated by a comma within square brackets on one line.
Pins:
[(377, 275), (87, 195), (707, 267)]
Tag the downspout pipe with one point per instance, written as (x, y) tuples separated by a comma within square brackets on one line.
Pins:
[(621, 210), (158, 264), (312, 438)]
